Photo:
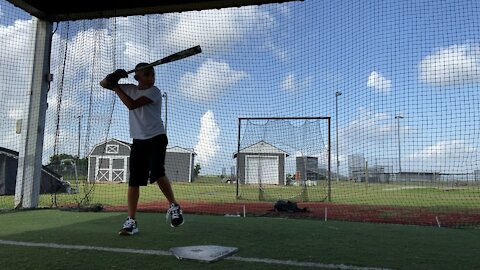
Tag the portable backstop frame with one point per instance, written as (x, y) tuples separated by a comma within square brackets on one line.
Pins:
[(329, 174)]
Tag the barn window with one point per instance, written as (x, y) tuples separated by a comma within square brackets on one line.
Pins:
[(112, 149)]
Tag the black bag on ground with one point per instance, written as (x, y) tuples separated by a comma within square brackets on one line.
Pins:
[(288, 206)]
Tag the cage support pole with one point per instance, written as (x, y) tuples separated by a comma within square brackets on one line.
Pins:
[(30, 155), (238, 157), (329, 162)]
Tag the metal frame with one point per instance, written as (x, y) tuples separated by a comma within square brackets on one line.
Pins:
[(328, 118)]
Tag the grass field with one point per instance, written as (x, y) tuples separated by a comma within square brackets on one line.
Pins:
[(404, 203), (406, 194), (346, 243), (417, 195)]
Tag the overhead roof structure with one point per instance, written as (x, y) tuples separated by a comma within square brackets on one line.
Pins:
[(92, 9)]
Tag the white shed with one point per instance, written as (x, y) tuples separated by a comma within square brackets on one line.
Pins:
[(262, 163), (109, 162)]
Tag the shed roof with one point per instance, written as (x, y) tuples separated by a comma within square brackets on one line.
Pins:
[(175, 149), (261, 147), (178, 149), (14, 154), (127, 144)]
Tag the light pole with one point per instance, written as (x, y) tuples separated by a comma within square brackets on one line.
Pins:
[(79, 135), (398, 117), (166, 110), (337, 94)]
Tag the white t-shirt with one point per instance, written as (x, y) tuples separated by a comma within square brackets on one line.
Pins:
[(146, 121)]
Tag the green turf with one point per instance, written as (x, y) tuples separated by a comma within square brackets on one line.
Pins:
[(361, 244)]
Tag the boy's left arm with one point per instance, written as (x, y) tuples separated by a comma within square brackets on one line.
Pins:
[(112, 79), (111, 82), (128, 101)]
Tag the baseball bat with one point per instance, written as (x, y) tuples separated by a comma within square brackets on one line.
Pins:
[(174, 57)]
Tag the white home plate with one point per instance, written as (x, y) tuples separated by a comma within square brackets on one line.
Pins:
[(203, 253)]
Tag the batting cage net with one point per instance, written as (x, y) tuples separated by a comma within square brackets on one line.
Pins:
[(356, 110)]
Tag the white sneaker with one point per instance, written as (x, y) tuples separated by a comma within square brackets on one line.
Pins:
[(129, 227), (175, 215)]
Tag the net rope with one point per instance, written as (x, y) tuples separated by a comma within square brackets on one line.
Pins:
[(399, 82)]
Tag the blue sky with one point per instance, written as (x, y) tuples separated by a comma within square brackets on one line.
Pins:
[(418, 59)]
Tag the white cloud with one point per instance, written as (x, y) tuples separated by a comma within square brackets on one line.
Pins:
[(284, 10), (15, 74), (288, 83), (375, 136), (277, 51), (87, 51), (89, 58), (368, 125), (369, 128), (216, 30), (292, 84), (207, 146), (48, 144), (75, 91), (445, 149), (450, 156), (210, 81), (378, 82), (451, 66), (17, 40), (135, 53), (145, 45)]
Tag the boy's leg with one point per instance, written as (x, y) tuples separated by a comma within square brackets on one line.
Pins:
[(130, 225), (157, 166), (164, 185), (157, 174), (138, 177), (133, 195), (139, 170), (174, 212)]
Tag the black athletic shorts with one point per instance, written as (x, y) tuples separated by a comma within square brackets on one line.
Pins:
[(147, 159)]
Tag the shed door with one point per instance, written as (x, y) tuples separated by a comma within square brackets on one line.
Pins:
[(261, 170), (111, 169), (118, 169), (104, 171)]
